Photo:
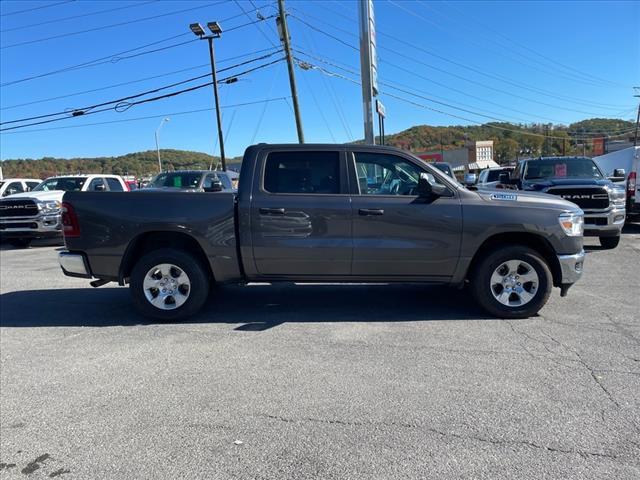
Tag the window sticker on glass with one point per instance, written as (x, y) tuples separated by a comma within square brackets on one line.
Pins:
[(177, 181), (561, 169)]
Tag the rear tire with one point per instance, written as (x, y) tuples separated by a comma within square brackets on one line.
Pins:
[(512, 281), (609, 242), (20, 242), (169, 285)]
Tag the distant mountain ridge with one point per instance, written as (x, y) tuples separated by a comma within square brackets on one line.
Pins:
[(509, 139)]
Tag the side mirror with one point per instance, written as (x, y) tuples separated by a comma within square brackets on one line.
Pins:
[(504, 178), (215, 187), (429, 190), (425, 190), (619, 174), (99, 187)]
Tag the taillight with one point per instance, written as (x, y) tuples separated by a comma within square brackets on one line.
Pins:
[(631, 185), (70, 224)]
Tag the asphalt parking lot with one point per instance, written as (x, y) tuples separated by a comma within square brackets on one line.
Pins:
[(325, 382)]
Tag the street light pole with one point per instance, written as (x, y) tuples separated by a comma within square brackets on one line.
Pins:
[(162, 122), (223, 160), (216, 31)]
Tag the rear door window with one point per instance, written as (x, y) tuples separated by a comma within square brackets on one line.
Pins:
[(114, 185), (303, 172)]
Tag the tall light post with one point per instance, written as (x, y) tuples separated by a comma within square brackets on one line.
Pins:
[(162, 122), (216, 31)]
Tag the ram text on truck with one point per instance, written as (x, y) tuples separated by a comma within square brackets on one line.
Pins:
[(579, 180), (318, 213)]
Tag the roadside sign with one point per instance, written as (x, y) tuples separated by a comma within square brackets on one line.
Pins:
[(380, 109)]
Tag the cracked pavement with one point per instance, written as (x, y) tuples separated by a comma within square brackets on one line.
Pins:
[(324, 382)]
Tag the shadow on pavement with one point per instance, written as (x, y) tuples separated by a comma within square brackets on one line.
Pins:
[(254, 308), (631, 228)]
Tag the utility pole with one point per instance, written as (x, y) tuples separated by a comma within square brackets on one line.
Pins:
[(284, 36), (635, 140), (365, 17), (162, 122)]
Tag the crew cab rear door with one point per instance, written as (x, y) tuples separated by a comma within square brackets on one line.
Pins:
[(301, 214), (395, 233)]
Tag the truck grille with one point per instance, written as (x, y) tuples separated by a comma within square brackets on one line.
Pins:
[(585, 198), (23, 225), (18, 208)]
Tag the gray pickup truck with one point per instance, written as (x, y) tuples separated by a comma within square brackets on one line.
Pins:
[(326, 213)]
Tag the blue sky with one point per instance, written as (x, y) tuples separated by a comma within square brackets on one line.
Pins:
[(458, 62)]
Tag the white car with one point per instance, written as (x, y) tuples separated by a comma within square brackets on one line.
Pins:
[(36, 214), (12, 186)]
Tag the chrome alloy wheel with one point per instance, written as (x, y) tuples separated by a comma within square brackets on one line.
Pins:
[(514, 283), (166, 286)]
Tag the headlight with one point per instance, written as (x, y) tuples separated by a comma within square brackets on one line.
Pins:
[(618, 195), (52, 206), (572, 223)]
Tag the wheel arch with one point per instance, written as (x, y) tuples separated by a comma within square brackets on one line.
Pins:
[(536, 242), (149, 241)]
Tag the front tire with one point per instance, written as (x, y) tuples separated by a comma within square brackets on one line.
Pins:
[(512, 281), (169, 285), (609, 242)]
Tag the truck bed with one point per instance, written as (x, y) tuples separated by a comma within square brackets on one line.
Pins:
[(112, 224)]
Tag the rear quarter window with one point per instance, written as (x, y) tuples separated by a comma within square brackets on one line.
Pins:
[(302, 172)]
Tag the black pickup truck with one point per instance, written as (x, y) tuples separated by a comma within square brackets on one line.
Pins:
[(579, 180), (326, 213)]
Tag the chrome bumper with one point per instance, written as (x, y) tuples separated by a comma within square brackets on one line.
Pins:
[(571, 267), (614, 220), (45, 224), (74, 265)]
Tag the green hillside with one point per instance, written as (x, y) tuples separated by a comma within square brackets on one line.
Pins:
[(139, 164), (509, 140)]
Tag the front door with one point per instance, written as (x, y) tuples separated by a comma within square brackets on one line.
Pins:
[(395, 233), (301, 215)]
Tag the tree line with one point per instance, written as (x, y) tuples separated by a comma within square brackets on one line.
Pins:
[(510, 141)]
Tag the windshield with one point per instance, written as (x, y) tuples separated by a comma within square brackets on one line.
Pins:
[(562, 168), (494, 175), (184, 180), (67, 184)]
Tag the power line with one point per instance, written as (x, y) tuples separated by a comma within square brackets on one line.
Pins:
[(475, 70), (144, 118), (35, 8), (44, 100), (535, 52), (122, 105), (56, 20), (117, 57), (415, 60), (353, 72), (104, 27), (113, 58), (488, 125), (542, 68)]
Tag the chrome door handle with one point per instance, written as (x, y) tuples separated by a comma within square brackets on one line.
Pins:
[(370, 211), (271, 211)]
